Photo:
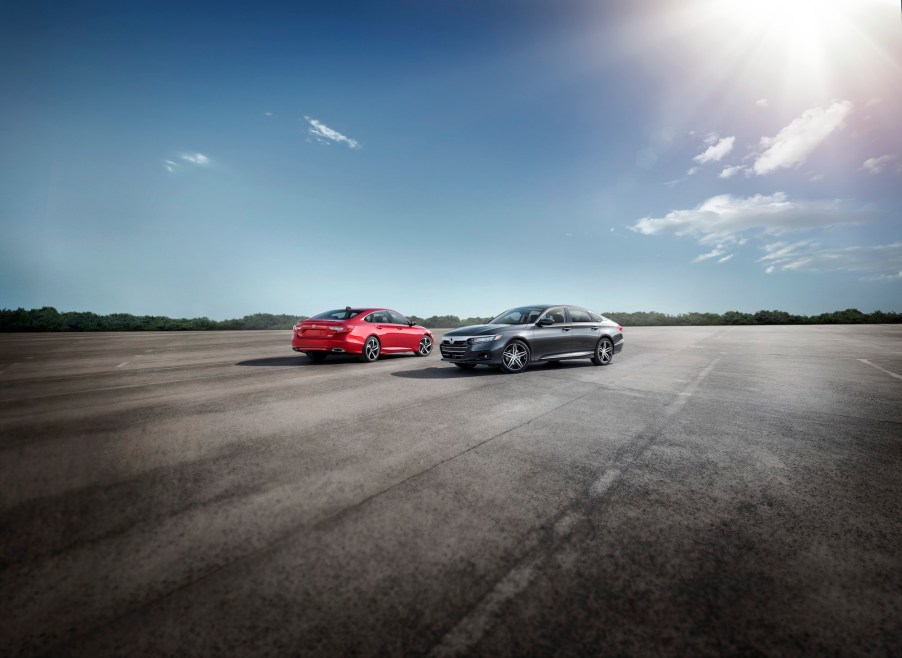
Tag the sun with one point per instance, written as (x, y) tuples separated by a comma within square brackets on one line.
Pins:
[(809, 50), (804, 27)]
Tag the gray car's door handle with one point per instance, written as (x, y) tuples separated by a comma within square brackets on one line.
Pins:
[(565, 328), (594, 328)]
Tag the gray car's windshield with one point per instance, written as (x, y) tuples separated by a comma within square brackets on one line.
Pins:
[(522, 315)]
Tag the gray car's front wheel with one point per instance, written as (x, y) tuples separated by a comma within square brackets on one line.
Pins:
[(604, 351), (515, 357), (371, 349)]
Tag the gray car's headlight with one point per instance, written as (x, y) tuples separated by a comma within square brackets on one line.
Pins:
[(484, 339)]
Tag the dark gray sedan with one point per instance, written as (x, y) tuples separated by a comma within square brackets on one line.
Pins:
[(528, 334)]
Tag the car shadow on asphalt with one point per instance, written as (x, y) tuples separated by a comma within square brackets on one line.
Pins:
[(301, 360), (452, 372), (447, 372)]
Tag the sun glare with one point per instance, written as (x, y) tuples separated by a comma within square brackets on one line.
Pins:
[(808, 49), (800, 27)]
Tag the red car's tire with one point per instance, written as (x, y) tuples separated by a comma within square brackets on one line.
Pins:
[(426, 344), (371, 350)]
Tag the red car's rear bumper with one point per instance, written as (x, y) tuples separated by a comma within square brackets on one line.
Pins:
[(347, 344)]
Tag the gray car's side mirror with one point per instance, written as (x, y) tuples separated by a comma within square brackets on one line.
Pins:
[(546, 321)]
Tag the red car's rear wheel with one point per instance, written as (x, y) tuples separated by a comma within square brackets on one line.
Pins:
[(371, 349)]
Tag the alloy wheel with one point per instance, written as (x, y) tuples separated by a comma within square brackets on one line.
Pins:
[(425, 346), (515, 356), (604, 352), (371, 349)]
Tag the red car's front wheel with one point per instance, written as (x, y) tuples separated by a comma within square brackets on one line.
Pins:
[(425, 346)]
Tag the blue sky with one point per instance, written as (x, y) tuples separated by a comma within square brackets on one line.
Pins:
[(220, 159)]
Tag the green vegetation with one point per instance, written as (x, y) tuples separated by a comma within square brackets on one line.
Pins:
[(849, 316), (49, 319), (655, 319), (446, 321)]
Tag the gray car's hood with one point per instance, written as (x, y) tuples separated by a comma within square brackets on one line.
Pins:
[(477, 330)]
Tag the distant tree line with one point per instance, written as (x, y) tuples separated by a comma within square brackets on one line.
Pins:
[(446, 321), (849, 316), (49, 319)]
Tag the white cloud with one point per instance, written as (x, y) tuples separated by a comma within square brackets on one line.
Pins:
[(714, 253), (875, 165), (885, 277), (761, 102), (324, 134), (716, 152), (185, 160), (722, 219), (718, 253), (195, 158), (881, 262), (729, 172), (692, 171), (794, 143)]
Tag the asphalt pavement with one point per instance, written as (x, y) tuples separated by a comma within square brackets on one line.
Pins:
[(713, 491)]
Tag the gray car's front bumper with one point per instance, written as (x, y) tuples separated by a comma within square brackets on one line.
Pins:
[(463, 352)]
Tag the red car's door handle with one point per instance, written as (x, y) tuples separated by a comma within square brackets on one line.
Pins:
[(378, 326)]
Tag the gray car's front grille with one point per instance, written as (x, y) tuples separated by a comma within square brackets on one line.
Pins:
[(455, 349)]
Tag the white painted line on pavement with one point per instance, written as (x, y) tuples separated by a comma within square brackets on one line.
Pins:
[(874, 365), (564, 525), (122, 364), (472, 627), (602, 484), (687, 393)]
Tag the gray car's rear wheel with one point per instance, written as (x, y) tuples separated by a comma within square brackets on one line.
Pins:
[(317, 357), (515, 357), (425, 346), (371, 349), (604, 351)]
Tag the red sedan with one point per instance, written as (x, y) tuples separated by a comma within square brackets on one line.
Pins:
[(367, 332)]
